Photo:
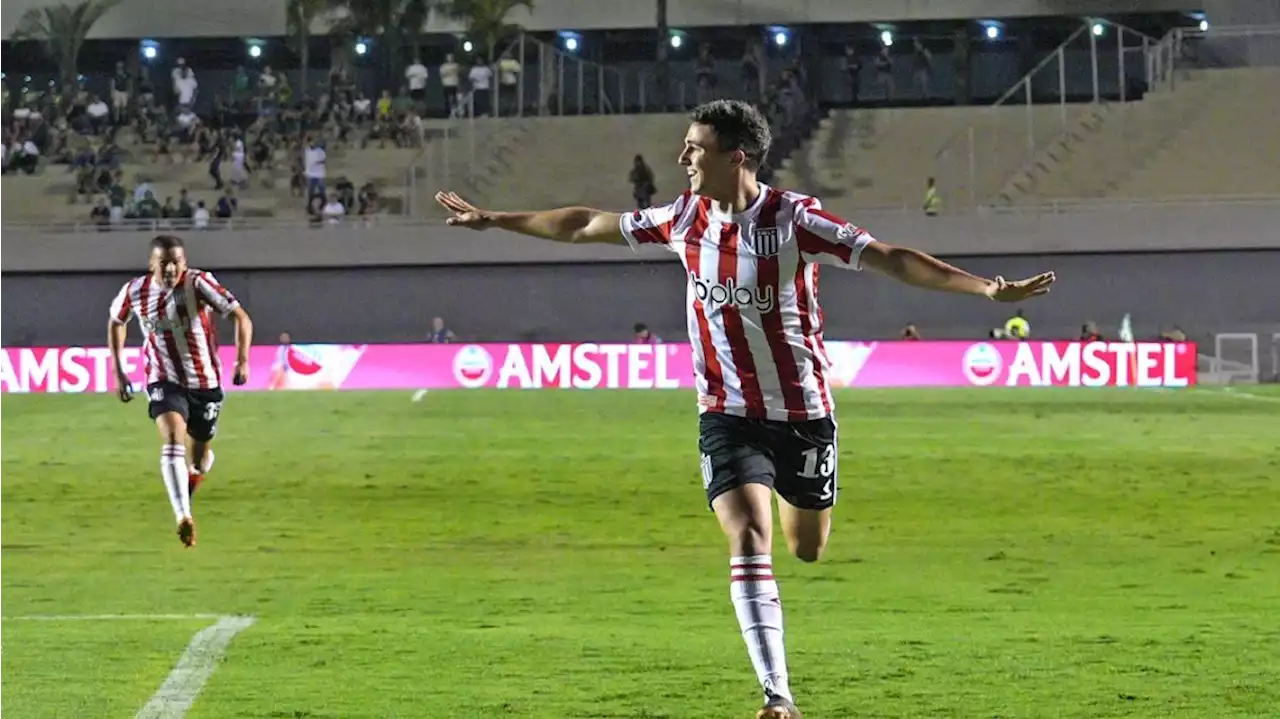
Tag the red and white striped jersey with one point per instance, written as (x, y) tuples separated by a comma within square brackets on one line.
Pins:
[(753, 313), (180, 343)]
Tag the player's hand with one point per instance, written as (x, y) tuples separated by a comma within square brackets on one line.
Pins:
[(465, 214), (241, 375), (1019, 290), (124, 387)]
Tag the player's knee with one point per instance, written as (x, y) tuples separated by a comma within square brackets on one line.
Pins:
[(751, 538)]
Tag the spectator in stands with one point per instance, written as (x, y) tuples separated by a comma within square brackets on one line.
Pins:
[(752, 70), (99, 115), (169, 211), (200, 218), (921, 68), (439, 333), (643, 336), (415, 76), (315, 210), (146, 89), (24, 156), (910, 333), (1089, 332), (100, 215), (642, 183), (412, 131), (368, 199), (384, 106), (509, 83), (480, 78), (228, 205), (148, 208), (1017, 327), (313, 161), (185, 210), (932, 200), (120, 85), (240, 86), (239, 166), (884, 72), (346, 193), (215, 162), (185, 87), (705, 67), (116, 195), (142, 187), (361, 109), (450, 74), (1175, 334), (853, 72), (333, 211)]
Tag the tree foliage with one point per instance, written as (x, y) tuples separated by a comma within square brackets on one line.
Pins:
[(63, 29)]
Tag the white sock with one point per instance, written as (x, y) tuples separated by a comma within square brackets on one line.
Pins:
[(173, 469), (755, 600)]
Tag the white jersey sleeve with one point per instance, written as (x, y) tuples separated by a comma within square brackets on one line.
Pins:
[(653, 226), (826, 239), (213, 294), (121, 308)]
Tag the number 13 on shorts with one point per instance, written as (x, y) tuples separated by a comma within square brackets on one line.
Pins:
[(820, 464)]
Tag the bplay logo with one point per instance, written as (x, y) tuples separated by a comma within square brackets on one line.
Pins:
[(982, 364), (472, 366), (714, 295)]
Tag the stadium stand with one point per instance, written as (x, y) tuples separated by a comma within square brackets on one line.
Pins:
[(1231, 148), (553, 166), (1204, 138), (881, 158)]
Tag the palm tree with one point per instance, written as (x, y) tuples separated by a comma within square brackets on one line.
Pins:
[(395, 21), (302, 13), (486, 20), (63, 29)]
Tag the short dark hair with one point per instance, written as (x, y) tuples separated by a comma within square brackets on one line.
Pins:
[(640, 327), (738, 126), (164, 243)]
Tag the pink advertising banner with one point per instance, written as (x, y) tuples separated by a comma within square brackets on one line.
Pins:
[(627, 366)]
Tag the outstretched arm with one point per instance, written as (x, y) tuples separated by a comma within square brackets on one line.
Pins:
[(566, 224), (921, 270), (828, 239)]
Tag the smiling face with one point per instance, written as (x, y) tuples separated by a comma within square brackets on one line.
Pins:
[(711, 171)]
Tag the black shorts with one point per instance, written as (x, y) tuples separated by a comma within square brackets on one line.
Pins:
[(797, 459), (199, 407)]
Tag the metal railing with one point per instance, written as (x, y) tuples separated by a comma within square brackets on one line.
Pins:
[(218, 225), (1227, 46), (465, 152), (1086, 70), (1059, 206)]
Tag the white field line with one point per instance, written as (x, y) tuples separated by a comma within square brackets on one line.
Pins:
[(1229, 392), (179, 691), (106, 617)]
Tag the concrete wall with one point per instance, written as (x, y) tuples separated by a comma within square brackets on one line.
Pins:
[(1203, 292), (1246, 225)]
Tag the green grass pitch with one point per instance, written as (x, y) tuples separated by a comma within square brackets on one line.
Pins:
[(548, 554)]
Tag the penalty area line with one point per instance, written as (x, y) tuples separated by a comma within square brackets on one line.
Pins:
[(186, 680), (179, 691)]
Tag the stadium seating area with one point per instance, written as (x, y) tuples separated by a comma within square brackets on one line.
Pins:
[(1209, 136), (49, 196), (880, 158)]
